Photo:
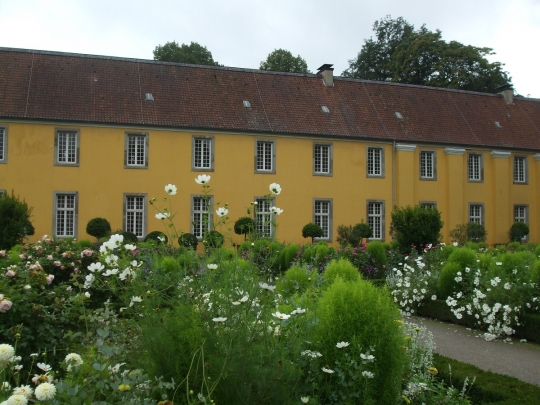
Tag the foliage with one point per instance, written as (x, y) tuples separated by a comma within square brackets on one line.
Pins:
[(447, 279), (399, 53), (98, 228), (476, 232), (281, 60), (415, 227), (312, 231), (15, 222), (518, 231), (213, 239), (344, 234), (360, 232), (188, 240), (193, 53), (296, 280), (129, 237), (244, 226), (375, 250), (343, 269), (157, 236), (459, 234)]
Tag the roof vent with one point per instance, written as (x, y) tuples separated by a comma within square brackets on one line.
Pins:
[(507, 92), (325, 109), (327, 73), (246, 104), (399, 116), (498, 124), (149, 97)]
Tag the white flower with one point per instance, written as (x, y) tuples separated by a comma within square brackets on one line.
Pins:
[(265, 286), (275, 189), (6, 353), (27, 287), (212, 266), (95, 267), (135, 299), (327, 370), (110, 272), (276, 210), (341, 345), (163, 215), (130, 247), (455, 243), (45, 391), (161, 238), (222, 211), (202, 179), (220, 319), (304, 400), (170, 189), (279, 315), (16, 399), (498, 263), (44, 367), (87, 294), (367, 357), (116, 369), (367, 374), (298, 311), (25, 390), (73, 360)]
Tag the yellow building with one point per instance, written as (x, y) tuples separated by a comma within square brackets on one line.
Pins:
[(88, 136)]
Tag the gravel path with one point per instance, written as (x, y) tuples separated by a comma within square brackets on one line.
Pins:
[(516, 359)]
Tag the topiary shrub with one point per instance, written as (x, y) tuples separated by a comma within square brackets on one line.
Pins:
[(98, 228), (15, 222), (363, 316), (464, 257), (341, 268), (518, 231), (312, 231), (155, 235), (476, 232), (360, 232), (244, 226), (188, 240), (447, 279), (129, 237), (213, 239), (415, 226)]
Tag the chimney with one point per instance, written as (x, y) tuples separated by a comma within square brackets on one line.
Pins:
[(326, 71), (507, 92)]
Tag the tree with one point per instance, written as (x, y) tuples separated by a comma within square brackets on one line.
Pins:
[(98, 227), (518, 231), (15, 222), (312, 231), (415, 226), (192, 53), (401, 54), (281, 60)]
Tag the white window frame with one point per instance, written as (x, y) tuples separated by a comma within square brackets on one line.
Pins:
[(428, 165), (198, 212), (66, 147), (375, 161), (2, 192), (375, 214), (134, 141), (65, 216), (523, 215), (475, 167), (476, 213), (264, 218), (203, 153), (520, 170), (135, 215), (265, 156), (427, 204), (322, 159), (3, 144), (322, 216)]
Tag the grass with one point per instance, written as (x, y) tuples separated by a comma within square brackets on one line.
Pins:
[(489, 388)]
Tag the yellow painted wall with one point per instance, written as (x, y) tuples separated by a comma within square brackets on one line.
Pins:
[(101, 180)]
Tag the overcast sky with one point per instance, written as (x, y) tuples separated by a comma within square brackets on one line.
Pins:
[(241, 33)]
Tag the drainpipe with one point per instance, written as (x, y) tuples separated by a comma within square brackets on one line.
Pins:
[(393, 175)]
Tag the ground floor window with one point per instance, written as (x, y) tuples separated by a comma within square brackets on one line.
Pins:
[(65, 214), (375, 218), (135, 214)]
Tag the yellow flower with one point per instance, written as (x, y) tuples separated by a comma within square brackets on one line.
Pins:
[(124, 387), (433, 371)]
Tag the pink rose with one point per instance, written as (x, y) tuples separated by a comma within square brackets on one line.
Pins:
[(50, 278), (5, 305), (10, 273)]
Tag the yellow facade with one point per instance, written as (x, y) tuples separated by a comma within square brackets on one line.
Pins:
[(101, 179)]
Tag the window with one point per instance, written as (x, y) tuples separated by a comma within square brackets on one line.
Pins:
[(520, 169), (2, 193), (427, 165), (65, 214), (203, 153), (375, 162), (200, 220), (136, 151), (265, 156), (475, 167), (322, 216), (428, 204), (66, 146), (375, 216), (3, 145), (521, 213), (135, 214), (322, 159), (476, 213), (264, 218)]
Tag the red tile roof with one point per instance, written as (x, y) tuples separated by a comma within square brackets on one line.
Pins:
[(53, 86)]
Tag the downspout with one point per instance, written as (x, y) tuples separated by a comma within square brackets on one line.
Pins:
[(394, 175)]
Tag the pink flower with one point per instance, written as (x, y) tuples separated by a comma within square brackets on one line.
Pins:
[(50, 278), (10, 273), (5, 306), (57, 263)]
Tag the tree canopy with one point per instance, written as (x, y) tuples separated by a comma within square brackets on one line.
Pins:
[(281, 60), (399, 53), (192, 53)]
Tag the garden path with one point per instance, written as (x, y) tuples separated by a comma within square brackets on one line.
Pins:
[(516, 359)]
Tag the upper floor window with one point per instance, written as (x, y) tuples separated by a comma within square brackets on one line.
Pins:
[(520, 169), (265, 156), (65, 214), (322, 159), (428, 204), (135, 214), (375, 162), (427, 165), (66, 145), (3, 145), (476, 213), (322, 216), (203, 153), (375, 218), (136, 151), (200, 218), (475, 165), (264, 226)]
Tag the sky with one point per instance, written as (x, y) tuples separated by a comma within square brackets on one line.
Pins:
[(241, 33)]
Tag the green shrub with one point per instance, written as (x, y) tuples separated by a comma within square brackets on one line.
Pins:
[(447, 279), (464, 257), (84, 244), (476, 232), (447, 251), (155, 235), (15, 222), (341, 268), (287, 255), (295, 281), (169, 264), (360, 232), (244, 226), (365, 317), (344, 234), (213, 239), (415, 226), (459, 234), (312, 231), (518, 231), (188, 240), (98, 228), (129, 237), (378, 255)]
